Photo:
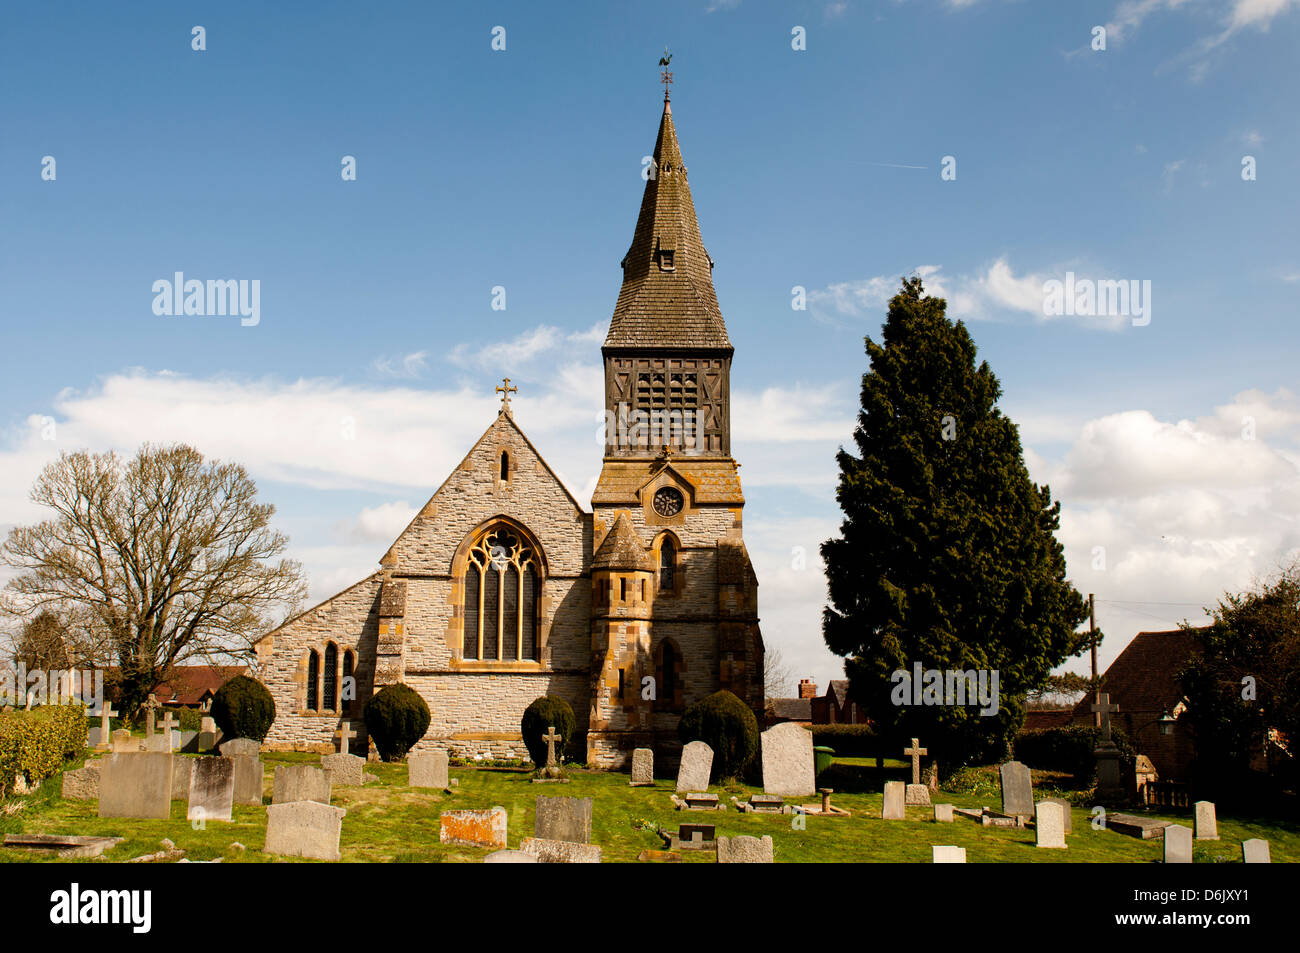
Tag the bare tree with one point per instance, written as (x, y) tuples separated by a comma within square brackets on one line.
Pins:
[(778, 676), (165, 555)]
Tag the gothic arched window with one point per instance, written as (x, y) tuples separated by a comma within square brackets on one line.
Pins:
[(668, 677), (502, 592), (313, 674), (329, 701), (349, 667), (667, 565)]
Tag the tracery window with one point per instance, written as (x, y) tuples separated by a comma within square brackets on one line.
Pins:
[(502, 588)]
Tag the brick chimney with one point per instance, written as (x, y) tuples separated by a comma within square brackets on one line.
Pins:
[(807, 688)]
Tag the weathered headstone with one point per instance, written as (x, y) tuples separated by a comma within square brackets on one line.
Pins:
[(344, 769), (212, 790), (240, 746), (563, 818), (189, 742), (696, 766), (299, 782), (788, 760), (137, 784), (82, 784), (343, 736), (947, 854), (304, 829), (1065, 811), (745, 850), (510, 857), (893, 809), (182, 771), (1207, 822), (560, 851), (1017, 789), (473, 828), (1255, 851), (1049, 825), (643, 768), (249, 778), (552, 771), (105, 732), (427, 769), (943, 813), (917, 794), (915, 753), (93, 736), (123, 742), (207, 734), (1178, 844)]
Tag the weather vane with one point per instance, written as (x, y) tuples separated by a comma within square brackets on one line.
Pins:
[(505, 390), (665, 76)]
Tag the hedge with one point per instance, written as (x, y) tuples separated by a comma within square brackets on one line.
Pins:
[(728, 726), (36, 743), (243, 708), (547, 712), (1067, 748), (849, 741), (396, 718)]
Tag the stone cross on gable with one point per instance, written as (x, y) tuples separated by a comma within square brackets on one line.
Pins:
[(505, 390), (551, 737), (344, 734), (1104, 708), (915, 753)]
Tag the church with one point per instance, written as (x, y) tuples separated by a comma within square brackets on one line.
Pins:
[(505, 588)]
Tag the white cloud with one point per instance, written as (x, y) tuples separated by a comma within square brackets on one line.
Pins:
[(525, 348), (412, 365), (380, 524)]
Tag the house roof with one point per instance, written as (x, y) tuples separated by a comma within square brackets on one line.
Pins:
[(839, 690), (190, 684), (790, 709), (1143, 679), (658, 307)]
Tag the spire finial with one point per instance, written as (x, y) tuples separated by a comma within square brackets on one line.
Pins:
[(505, 390), (665, 76)]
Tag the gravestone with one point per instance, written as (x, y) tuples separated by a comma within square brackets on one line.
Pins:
[(82, 784), (212, 790), (1255, 851), (182, 771), (893, 809), (560, 851), (1178, 844), (943, 813), (563, 818), (159, 742), (299, 782), (136, 785), (207, 739), (510, 857), (917, 794), (150, 717), (643, 768), (473, 828), (105, 732), (696, 766), (1145, 828), (745, 849), (765, 804), (189, 742), (1065, 811), (1049, 825), (240, 746), (1017, 789), (947, 854), (788, 760), (344, 769), (123, 742), (93, 735), (1207, 822), (304, 829), (249, 778), (427, 769)]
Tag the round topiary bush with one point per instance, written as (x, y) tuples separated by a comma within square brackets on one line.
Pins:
[(728, 726), (396, 718), (243, 708), (547, 711)]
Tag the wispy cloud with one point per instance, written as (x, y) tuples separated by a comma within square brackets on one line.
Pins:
[(410, 366)]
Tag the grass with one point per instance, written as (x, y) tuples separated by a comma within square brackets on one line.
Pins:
[(388, 821)]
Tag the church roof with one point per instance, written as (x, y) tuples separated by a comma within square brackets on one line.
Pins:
[(667, 298), (622, 548)]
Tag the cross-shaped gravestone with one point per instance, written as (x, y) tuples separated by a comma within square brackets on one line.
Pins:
[(551, 737), (344, 734), (1104, 708), (150, 713), (915, 753), (105, 712), (169, 723)]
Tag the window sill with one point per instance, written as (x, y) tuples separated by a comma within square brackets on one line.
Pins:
[(489, 665)]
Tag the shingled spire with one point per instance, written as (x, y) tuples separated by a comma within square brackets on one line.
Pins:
[(667, 298)]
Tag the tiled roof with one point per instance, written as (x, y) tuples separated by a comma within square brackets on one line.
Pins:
[(658, 308), (839, 688), (790, 709), (1144, 678), (711, 481), (190, 684), (621, 549)]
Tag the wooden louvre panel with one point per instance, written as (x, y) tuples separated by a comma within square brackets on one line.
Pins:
[(470, 641)]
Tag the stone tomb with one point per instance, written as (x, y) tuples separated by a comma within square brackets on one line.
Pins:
[(344, 770), (473, 828), (745, 850), (304, 829), (427, 769), (212, 789), (917, 794), (560, 851), (1254, 851), (947, 854), (1145, 828), (82, 784), (763, 804), (643, 768), (1017, 789), (1178, 844), (696, 766), (62, 846), (299, 782), (1207, 822), (563, 818), (788, 760), (691, 837), (136, 785), (893, 809), (1049, 825), (697, 801)]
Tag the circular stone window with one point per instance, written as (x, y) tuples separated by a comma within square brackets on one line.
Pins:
[(668, 501)]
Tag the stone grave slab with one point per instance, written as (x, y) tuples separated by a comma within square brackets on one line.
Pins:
[(696, 766), (1178, 844), (1207, 822), (1255, 851), (212, 790), (236, 747), (1049, 825), (1017, 789), (643, 768), (563, 818), (700, 801), (560, 851), (299, 782), (947, 854), (344, 770), (62, 846), (745, 850), (893, 809), (136, 785), (659, 857), (943, 813), (1131, 825), (304, 829), (474, 828), (509, 856), (787, 751), (428, 769)]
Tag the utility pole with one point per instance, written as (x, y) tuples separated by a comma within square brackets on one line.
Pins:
[(1092, 637)]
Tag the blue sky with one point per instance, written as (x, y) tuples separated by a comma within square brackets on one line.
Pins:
[(371, 369)]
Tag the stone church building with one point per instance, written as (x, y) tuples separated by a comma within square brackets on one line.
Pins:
[(505, 588)]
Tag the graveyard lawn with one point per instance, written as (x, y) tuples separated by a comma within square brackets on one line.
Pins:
[(389, 821)]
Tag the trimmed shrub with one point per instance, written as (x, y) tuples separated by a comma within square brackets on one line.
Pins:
[(35, 744), (849, 741), (1068, 748), (728, 726), (547, 711), (243, 708), (396, 718)]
